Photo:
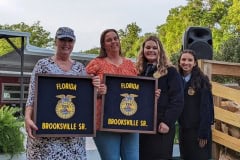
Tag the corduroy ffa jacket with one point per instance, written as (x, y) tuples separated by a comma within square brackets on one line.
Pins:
[(198, 111), (170, 102)]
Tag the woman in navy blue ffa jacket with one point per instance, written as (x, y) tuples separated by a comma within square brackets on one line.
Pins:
[(152, 62), (195, 135)]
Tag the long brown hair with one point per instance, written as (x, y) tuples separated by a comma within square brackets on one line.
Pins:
[(198, 78)]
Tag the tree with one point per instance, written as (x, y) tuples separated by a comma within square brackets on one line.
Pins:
[(172, 31), (95, 50), (204, 13), (39, 37), (230, 51), (128, 37)]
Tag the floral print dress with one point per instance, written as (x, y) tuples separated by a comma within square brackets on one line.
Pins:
[(54, 148)]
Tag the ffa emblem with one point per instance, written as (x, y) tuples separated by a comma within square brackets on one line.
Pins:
[(128, 105), (65, 108), (156, 74), (191, 91)]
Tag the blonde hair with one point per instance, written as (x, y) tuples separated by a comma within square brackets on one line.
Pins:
[(162, 62)]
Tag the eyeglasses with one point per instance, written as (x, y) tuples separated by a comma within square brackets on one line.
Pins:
[(66, 39)]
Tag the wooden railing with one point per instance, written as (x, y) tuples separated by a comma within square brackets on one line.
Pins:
[(221, 92)]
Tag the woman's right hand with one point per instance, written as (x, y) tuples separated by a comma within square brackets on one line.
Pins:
[(30, 126), (163, 128), (202, 142), (96, 81)]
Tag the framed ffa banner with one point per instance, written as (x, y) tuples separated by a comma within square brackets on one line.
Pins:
[(129, 104), (64, 106)]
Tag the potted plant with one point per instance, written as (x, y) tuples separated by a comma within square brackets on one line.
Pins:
[(11, 136)]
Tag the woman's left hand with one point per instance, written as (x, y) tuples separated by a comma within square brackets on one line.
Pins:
[(102, 89), (157, 93)]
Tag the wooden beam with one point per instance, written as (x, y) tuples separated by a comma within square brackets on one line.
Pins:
[(220, 67), (226, 140), (227, 70), (225, 92), (227, 116)]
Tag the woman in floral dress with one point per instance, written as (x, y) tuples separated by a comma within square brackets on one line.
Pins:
[(55, 148)]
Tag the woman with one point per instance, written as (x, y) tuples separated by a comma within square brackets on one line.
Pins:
[(65, 148), (195, 136), (113, 145), (152, 62)]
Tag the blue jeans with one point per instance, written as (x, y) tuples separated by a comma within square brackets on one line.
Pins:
[(113, 146)]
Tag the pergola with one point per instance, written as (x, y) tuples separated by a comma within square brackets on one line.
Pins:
[(6, 34)]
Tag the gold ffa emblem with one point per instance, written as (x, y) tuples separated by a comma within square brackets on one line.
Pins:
[(191, 91), (157, 74), (128, 105), (65, 108)]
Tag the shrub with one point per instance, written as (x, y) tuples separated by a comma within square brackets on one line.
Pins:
[(11, 137)]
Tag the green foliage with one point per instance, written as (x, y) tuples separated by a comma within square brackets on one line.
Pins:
[(178, 20), (176, 138), (128, 37), (5, 47), (174, 58), (229, 52), (39, 37), (95, 50), (11, 137), (221, 16), (225, 79)]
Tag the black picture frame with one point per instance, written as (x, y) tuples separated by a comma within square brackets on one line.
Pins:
[(64, 106), (130, 104)]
